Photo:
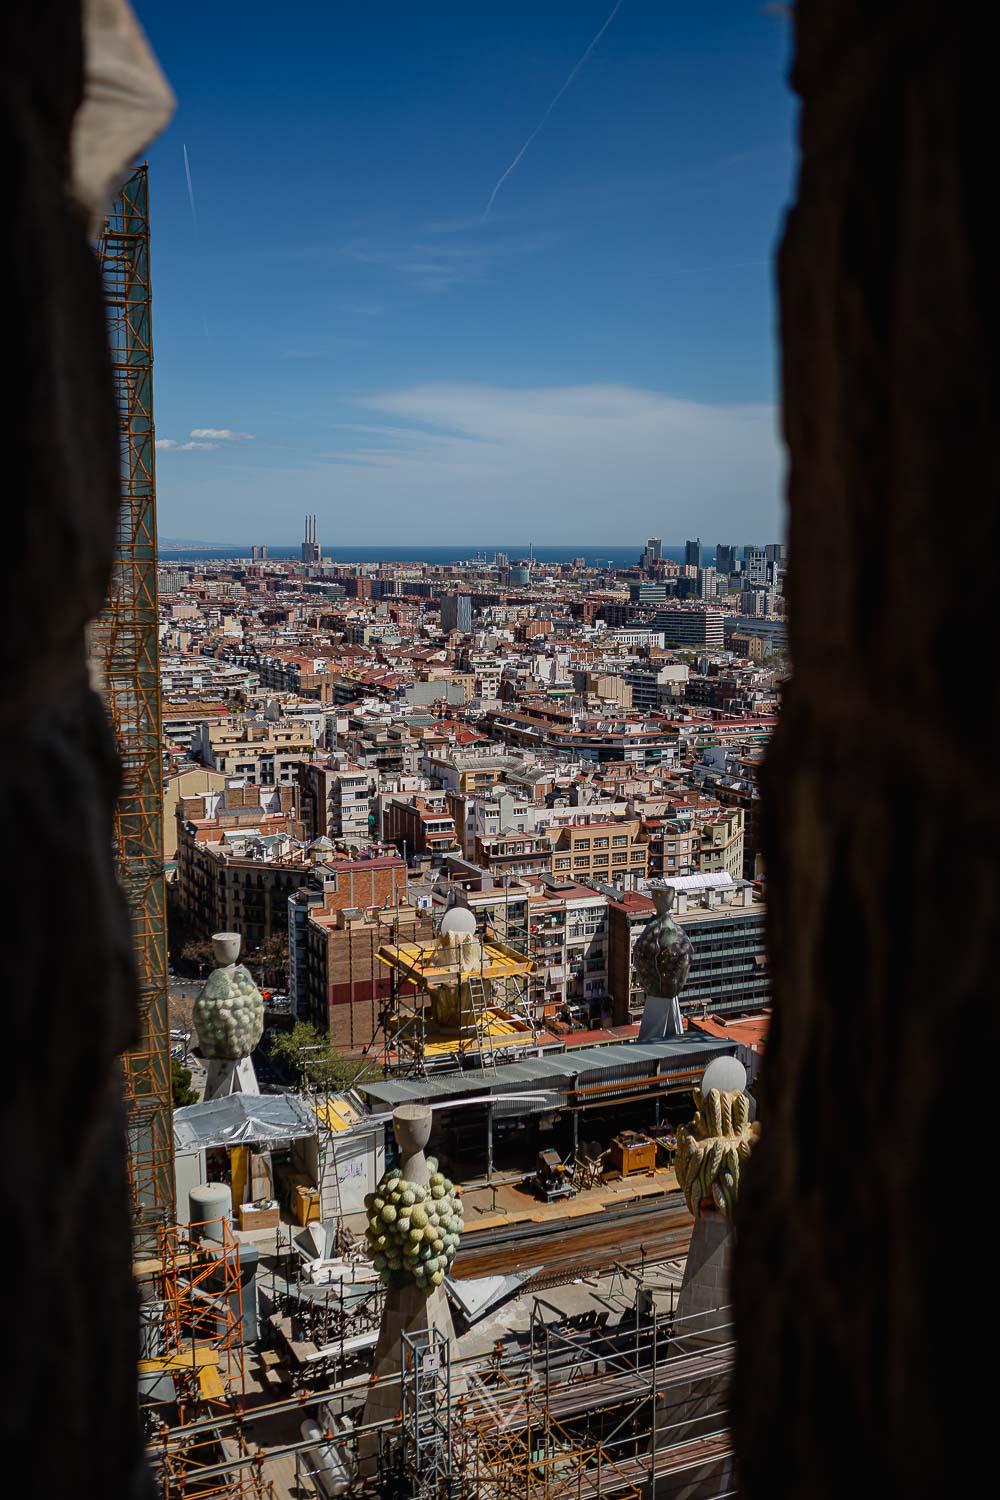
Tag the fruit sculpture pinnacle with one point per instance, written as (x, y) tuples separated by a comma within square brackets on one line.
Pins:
[(712, 1149)]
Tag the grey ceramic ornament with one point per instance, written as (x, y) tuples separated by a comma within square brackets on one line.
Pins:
[(662, 955)]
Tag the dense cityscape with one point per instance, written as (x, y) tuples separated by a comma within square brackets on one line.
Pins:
[(488, 833), (546, 741)]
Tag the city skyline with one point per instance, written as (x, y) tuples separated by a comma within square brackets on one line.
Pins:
[(342, 328)]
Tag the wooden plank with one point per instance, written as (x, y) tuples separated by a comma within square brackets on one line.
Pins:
[(210, 1384), (187, 1359)]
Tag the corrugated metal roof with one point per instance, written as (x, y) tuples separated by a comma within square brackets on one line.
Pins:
[(556, 1070)]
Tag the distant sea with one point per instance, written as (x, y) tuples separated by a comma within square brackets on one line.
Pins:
[(594, 556)]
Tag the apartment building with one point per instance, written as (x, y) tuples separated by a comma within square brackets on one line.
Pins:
[(617, 852), (606, 741), (235, 870), (500, 907), (509, 853), (340, 984), (691, 625), (568, 937), (192, 782), (483, 814), (673, 846), (182, 723), (467, 774), (306, 676), (336, 800), (610, 686), (265, 750), (421, 824), (720, 843), (655, 685), (731, 777)]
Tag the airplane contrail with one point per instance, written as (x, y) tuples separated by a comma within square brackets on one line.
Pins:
[(187, 174), (552, 105)]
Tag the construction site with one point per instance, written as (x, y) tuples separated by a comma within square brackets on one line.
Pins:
[(324, 1311)]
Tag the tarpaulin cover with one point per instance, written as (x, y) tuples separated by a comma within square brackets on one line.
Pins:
[(243, 1120)]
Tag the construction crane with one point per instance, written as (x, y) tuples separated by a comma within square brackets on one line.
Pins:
[(125, 648)]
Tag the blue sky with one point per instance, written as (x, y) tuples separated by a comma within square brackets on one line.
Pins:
[(348, 333)]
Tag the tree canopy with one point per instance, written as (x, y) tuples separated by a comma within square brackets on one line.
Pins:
[(315, 1060), (180, 1084)]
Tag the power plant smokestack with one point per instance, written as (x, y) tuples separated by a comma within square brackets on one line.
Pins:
[(311, 551)]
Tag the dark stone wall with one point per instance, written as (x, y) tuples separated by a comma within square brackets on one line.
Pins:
[(863, 1285), (67, 1404)]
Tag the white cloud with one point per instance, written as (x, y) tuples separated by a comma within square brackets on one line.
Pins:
[(578, 465), (565, 463), (224, 434), (436, 267), (171, 443)]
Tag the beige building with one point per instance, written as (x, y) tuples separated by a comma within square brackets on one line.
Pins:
[(602, 851), (191, 783), (265, 751), (721, 844), (606, 685)]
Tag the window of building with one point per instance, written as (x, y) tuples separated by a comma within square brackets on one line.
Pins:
[(619, 839)]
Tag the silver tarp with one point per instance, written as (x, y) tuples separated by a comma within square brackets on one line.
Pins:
[(243, 1120)]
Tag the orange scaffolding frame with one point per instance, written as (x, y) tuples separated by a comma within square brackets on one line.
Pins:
[(194, 1281), (125, 649)]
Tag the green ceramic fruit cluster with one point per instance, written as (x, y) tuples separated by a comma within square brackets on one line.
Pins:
[(413, 1231), (229, 1014)]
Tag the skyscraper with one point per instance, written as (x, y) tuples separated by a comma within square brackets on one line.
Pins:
[(755, 565), (652, 552), (692, 553), (726, 559)]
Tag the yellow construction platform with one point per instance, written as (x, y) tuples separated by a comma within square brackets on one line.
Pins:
[(424, 968), (499, 1030), (204, 1360), (336, 1115)]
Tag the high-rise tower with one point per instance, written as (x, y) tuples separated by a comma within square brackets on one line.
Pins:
[(726, 558)]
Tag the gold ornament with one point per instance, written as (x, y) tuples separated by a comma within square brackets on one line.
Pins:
[(711, 1149)]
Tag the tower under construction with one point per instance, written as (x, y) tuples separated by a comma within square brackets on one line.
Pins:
[(126, 650)]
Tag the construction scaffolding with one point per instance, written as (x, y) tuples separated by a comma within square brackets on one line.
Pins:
[(493, 1019), (192, 1377), (426, 1451), (583, 1407), (323, 1329), (125, 649)]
